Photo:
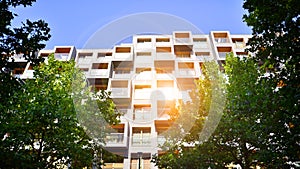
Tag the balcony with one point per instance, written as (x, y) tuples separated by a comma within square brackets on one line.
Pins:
[(242, 54), (221, 37), (239, 45), (123, 56), (203, 56), (28, 74), (122, 74), (141, 139), (113, 165), (143, 77), (182, 40), (184, 95), (142, 115), (84, 60), (222, 55), (222, 51), (161, 140), (142, 94), (143, 57), (114, 138), (185, 56), (166, 93), (100, 69), (186, 72), (119, 92), (144, 45), (222, 40), (122, 53), (126, 113), (201, 45), (164, 41), (61, 56), (99, 72), (164, 56)]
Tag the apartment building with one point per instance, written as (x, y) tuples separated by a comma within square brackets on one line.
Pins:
[(145, 77)]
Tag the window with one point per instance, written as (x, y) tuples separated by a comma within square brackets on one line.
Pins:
[(182, 35), (202, 54), (165, 83), (200, 40), (100, 66), (143, 54), (139, 70), (163, 49), (141, 136), (123, 49), (162, 39), (143, 40), (221, 37)]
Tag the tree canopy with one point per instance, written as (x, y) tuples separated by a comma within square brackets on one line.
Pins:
[(275, 42), (25, 40), (42, 127)]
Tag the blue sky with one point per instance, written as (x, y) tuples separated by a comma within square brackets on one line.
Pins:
[(73, 22)]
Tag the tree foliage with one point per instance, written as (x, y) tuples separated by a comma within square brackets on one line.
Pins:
[(195, 121), (241, 133), (276, 29), (42, 125), (27, 40)]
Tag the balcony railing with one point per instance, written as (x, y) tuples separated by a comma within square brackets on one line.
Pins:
[(143, 114), (141, 139), (122, 74), (243, 56), (115, 138), (239, 45), (143, 59), (200, 45), (17, 75), (222, 55), (119, 91), (222, 40), (163, 112), (99, 72), (144, 45), (204, 57), (160, 140), (164, 56), (184, 95), (61, 56), (182, 40), (122, 55), (126, 113), (187, 72), (84, 60), (183, 56), (142, 94)]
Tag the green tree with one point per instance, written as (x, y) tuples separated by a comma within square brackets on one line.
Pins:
[(241, 133), (27, 39), (196, 120), (241, 137), (43, 128), (276, 30)]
